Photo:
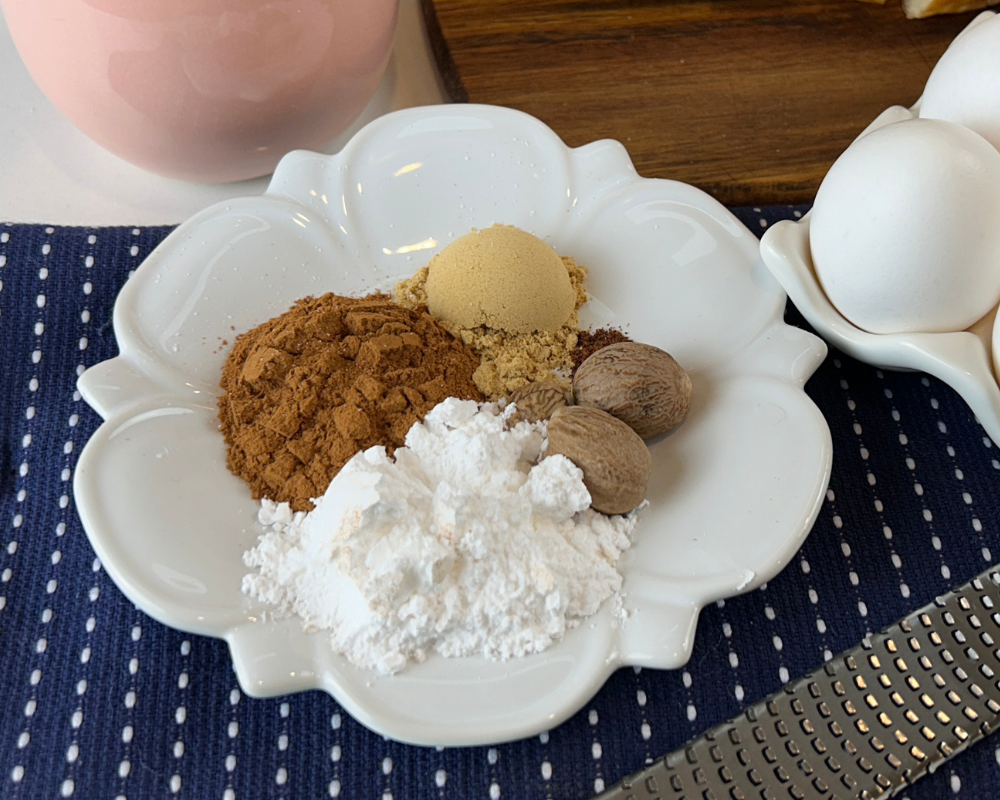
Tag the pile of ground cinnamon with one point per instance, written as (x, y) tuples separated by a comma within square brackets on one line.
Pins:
[(333, 375), (511, 360)]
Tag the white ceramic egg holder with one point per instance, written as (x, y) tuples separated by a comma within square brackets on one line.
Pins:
[(965, 360)]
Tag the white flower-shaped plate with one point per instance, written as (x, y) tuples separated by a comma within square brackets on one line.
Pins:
[(734, 491), (965, 360)]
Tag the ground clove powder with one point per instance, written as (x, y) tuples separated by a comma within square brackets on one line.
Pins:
[(589, 342), (305, 391)]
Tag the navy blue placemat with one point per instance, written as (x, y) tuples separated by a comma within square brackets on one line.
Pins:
[(99, 701)]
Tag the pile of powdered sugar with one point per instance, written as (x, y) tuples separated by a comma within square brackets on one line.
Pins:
[(464, 544)]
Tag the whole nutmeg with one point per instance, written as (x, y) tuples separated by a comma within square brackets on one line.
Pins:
[(639, 384), (616, 463), (536, 401)]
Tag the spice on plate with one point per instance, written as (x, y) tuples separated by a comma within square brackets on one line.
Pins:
[(465, 544), (589, 342), (536, 402), (307, 390), (641, 385), (501, 278), (616, 463), (511, 359)]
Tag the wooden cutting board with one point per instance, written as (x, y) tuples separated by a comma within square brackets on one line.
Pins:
[(752, 100)]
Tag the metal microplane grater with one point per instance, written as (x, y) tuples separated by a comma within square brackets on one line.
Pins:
[(865, 725)]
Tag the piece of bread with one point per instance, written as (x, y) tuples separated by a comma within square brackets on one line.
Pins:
[(915, 9)]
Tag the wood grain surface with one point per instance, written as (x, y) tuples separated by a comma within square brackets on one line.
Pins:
[(752, 100)]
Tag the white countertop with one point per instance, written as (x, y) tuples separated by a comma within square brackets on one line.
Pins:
[(51, 173)]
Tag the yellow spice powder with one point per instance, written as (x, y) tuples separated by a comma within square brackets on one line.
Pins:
[(510, 360)]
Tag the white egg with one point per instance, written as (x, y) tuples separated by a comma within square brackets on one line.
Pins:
[(965, 84), (905, 231)]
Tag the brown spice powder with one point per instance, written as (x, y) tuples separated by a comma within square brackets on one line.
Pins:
[(332, 376), (512, 360), (589, 342)]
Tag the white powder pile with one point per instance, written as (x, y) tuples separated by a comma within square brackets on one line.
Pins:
[(463, 544)]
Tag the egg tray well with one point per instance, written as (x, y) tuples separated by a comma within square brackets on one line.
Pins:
[(962, 359)]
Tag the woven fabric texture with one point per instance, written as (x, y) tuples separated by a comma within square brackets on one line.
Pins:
[(99, 701)]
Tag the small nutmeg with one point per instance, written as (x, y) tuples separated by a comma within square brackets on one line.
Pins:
[(536, 401), (639, 384), (616, 463)]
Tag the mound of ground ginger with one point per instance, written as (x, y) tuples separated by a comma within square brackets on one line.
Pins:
[(332, 376), (512, 360)]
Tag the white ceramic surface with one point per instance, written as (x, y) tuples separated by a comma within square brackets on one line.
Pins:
[(735, 490), (965, 360)]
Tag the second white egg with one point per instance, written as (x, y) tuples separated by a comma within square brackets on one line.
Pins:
[(965, 84)]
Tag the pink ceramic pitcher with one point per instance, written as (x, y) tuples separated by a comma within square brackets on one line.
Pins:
[(206, 90)]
